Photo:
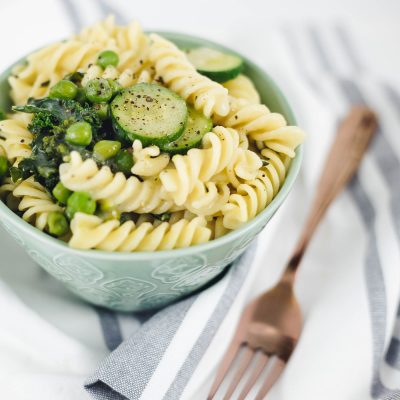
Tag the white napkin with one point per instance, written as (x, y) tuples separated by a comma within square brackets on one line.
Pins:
[(348, 285)]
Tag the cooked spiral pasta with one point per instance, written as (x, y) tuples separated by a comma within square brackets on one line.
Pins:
[(264, 126), (126, 78), (181, 77), (35, 202), (219, 148), (47, 66), (114, 190), (207, 198), (160, 192), (16, 139), (244, 167), (253, 196), (91, 232), (128, 41), (147, 160), (243, 88)]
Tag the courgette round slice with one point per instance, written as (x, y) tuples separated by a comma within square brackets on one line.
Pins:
[(148, 112), (215, 64), (197, 126)]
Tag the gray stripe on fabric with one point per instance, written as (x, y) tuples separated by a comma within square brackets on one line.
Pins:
[(236, 281), (373, 269), (73, 14), (382, 151), (322, 55), (385, 159), (107, 9), (110, 327), (348, 46), (374, 280), (120, 373), (294, 49), (393, 353)]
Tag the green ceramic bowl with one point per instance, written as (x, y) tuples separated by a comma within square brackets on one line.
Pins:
[(144, 280)]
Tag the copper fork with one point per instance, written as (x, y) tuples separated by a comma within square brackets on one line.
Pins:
[(271, 324)]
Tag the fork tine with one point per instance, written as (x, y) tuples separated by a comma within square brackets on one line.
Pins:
[(273, 375), (226, 362), (244, 363), (260, 365)]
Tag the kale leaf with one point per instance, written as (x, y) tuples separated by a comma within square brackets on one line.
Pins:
[(52, 117)]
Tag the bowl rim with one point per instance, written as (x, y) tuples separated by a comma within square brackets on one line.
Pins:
[(291, 176)]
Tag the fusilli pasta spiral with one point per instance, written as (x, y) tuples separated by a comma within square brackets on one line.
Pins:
[(181, 77), (253, 196), (219, 148), (91, 232), (263, 126), (243, 88), (16, 139), (115, 190), (35, 202), (126, 78), (148, 161)]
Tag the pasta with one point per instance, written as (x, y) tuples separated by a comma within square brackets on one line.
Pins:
[(219, 147), (138, 145), (179, 75), (115, 190), (35, 202), (50, 64), (243, 88), (148, 161), (15, 139), (125, 78), (91, 232), (254, 195), (264, 126)]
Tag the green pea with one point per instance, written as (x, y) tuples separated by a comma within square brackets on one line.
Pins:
[(108, 57), (3, 115), (80, 202), (106, 149), (61, 193), (124, 161), (115, 86), (64, 90), (3, 166), (79, 133), (98, 90), (57, 223), (101, 110)]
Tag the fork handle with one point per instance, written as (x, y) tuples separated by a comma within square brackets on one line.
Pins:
[(353, 136)]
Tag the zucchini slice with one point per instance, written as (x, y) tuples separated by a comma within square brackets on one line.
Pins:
[(218, 66), (148, 112), (196, 127)]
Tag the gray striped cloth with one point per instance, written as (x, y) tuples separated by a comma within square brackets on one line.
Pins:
[(331, 69)]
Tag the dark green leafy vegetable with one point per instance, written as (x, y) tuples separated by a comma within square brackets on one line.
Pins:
[(49, 125)]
